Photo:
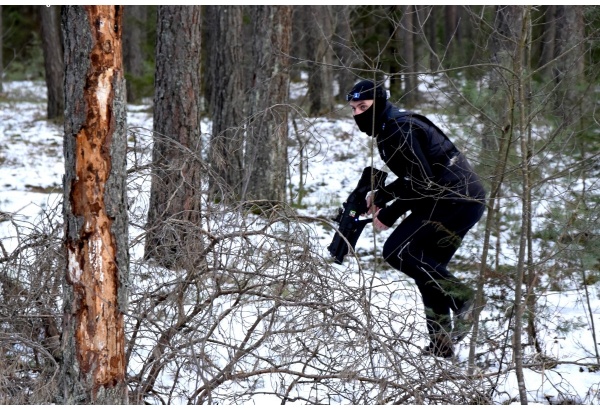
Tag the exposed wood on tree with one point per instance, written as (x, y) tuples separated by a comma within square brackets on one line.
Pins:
[(95, 208)]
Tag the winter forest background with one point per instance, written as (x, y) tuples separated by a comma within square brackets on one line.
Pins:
[(170, 175)]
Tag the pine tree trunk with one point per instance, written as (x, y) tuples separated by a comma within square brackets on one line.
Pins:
[(53, 60), (411, 91), (431, 26), (95, 208), (227, 84), (266, 145), (174, 209), (299, 47), (133, 38), (342, 47), (507, 27), (397, 68), (320, 76), (1, 60), (570, 61), (451, 29)]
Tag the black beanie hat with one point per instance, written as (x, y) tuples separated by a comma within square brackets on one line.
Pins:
[(366, 90)]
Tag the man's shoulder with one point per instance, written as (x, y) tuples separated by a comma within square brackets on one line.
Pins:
[(397, 117), (390, 120), (407, 116), (400, 115)]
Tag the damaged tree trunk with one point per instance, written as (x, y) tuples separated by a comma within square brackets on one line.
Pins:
[(95, 208)]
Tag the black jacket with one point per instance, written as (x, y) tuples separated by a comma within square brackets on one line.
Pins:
[(428, 166)]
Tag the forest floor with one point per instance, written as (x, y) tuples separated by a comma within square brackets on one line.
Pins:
[(32, 167)]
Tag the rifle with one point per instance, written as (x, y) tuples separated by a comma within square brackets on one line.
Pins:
[(350, 226)]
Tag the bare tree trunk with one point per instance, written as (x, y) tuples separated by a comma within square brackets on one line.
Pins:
[(343, 51), (320, 76), (1, 60), (452, 36), (570, 32), (432, 40), (570, 60), (95, 208), (174, 210), (133, 55), (411, 91), (227, 73), (396, 67), (53, 60), (548, 37), (526, 101), (507, 24), (266, 145), (519, 305), (490, 223)]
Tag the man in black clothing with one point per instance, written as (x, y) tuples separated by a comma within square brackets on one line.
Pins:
[(445, 198)]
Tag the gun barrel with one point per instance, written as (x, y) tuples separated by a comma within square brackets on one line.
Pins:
[(339, 247)]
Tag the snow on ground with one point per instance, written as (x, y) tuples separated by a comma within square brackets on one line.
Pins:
[(31, 170)]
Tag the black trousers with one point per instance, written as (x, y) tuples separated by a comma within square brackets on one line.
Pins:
[(422, 246)]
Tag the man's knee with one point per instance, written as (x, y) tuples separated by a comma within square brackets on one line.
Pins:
[(397, 255)]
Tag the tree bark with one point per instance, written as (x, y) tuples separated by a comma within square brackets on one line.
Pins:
[(411, 90), (569, 66), (548, 38), (174, 209), (519, 306), (133, 38), (320, 75), (451, 29), (397, 68), (53, 60), (343, 51), (266, 149), (95, 208), (299, 47), (507, 26), (227, 85), (432, 37), (1, 60)]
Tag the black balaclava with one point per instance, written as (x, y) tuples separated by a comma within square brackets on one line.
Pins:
[(366, 90), (364, 120)]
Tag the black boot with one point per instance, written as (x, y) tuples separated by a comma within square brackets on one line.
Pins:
[(440, 346)]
